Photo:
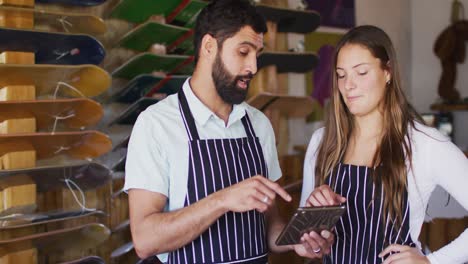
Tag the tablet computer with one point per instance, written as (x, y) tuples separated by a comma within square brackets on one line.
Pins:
[(308, 219)]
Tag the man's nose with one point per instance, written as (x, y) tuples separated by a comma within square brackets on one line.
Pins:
[(251, 66)]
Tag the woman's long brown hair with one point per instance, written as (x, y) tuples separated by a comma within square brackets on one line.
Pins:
[(394, 150)]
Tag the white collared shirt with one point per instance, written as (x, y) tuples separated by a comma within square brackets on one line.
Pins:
[(158, 150)]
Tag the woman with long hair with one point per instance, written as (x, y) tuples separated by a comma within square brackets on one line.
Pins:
[(376, 155)]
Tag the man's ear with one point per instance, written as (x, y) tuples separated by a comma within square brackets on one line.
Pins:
[(209, 46)]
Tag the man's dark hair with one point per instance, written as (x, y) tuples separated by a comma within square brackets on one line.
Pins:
[(222, 19)]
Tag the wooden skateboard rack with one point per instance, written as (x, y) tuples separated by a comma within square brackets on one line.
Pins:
[(269, 88), (20, 193)]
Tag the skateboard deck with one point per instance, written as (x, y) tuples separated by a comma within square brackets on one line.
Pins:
[(53, 48), (89, 80), (79, 145), (177, 12), (123, 143), (80, 237), (186, 13), (58, 21), (130, 115), (82, 112), (120, 165), (72, 2), (122, 250), (148, 63), (178, 40), (86, 260), (150, 260), (290, 20), (147, 85), (25, 220), (118, 193), (49, 178), (122, 226), (289, 61), (294, 106)]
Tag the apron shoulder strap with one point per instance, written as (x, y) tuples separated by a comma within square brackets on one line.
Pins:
[(187, 117), (249, 130)]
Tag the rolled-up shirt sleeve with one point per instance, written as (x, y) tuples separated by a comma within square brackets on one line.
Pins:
[(146, 166)]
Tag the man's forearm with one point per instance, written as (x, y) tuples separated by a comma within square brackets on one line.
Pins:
[(167, 231)]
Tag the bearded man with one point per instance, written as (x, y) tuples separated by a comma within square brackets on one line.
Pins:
[(202, 164)]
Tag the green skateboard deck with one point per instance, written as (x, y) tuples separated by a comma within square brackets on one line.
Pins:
[(79, 112), (289, 61), (79, 145), (146, 85), (186, 13), (177, 12), (89, 80), (58, 21), (148, 63), (176, 39), (130, 115), (80, 237), (290, 20)]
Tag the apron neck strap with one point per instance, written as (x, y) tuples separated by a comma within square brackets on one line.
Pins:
[(189, 121), (187, 117)]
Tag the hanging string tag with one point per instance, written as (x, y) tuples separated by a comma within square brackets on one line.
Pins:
[(81, 203)]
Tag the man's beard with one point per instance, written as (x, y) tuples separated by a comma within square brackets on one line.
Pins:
[(226, 83)]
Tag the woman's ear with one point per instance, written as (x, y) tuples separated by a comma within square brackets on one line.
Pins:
[(388, 73), (388, 77)]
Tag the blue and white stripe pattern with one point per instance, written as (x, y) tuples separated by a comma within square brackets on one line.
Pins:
[(361, 234), (215, 164)]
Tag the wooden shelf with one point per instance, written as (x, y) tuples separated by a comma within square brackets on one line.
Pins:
[(298, 62), (293, 106), (301, 149), (449, 107)]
